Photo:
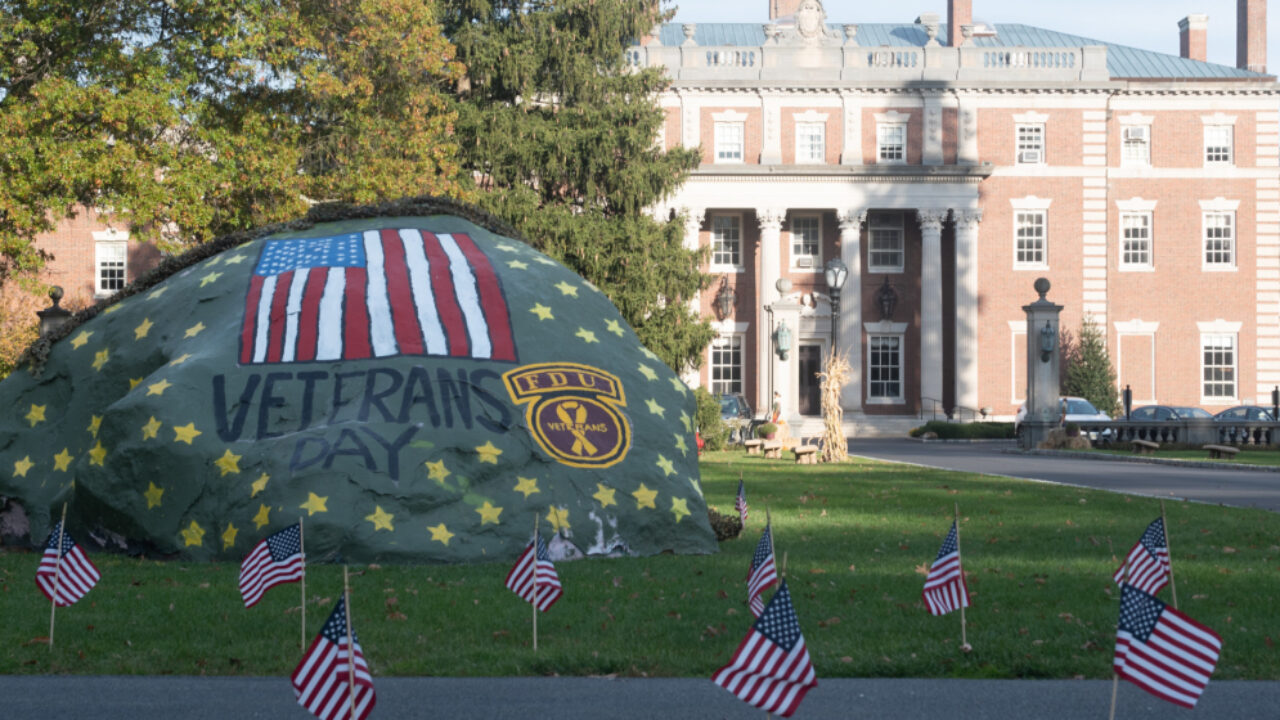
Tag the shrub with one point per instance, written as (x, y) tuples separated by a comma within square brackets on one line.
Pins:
[(766, 429), (714, 432), (726, 527), (972, 431)]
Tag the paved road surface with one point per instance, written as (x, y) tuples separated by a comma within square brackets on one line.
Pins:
[(1242, 488), (186, 698)]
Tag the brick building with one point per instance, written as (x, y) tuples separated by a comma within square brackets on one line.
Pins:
[(950, 164), (93, 256)]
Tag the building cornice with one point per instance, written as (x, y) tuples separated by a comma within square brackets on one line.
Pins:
[(1215, 88), (964, 174)]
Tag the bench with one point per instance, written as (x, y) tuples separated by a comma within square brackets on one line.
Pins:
[(1144, 447), (1221, 452), (806, 454), (773, 450), (752, 446)]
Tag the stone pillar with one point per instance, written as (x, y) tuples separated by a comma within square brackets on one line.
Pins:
[(1043, 360), (967, 130), (931, 220), (851, 152), (967, 307), (932, 154), (786, 379), (770, 250), (771, 140), (851, 305)]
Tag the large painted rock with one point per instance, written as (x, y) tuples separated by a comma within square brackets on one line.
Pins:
[(412, 387)]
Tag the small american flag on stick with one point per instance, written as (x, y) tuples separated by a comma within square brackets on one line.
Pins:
[(275, 560), (740, 504), (1163, 651), (771, 669), (323, 680), (1148, 561), (944, 588), (68, 568), (763, 573), (531, 564)]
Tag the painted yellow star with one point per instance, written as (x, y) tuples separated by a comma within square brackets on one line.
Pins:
[(488, 453), (644, 497), (507, 248), (544, 261), (100, 358), (437, 471), (314, 504), (558, 517), (97, 454), (489, 513), (211, 277), (259, 485), (587, 336), (193, 535), (135, 382), (159, 388), (78, 341), (143, 328), (95, 424), (229, 536), (213, 261), (517, 265), (112, 309), (667, 467), (655, 408), (678, 384), (604, 495), (263, 517), (679, 507), (181, 359), (684, 420), (648, 372), (680, 444), (185, 433), (440, 533), (153, 495), (542, 311), (157, 292), (615, 327), (152, 427), (228, 463), (194, 330), (567, 289), (36, 414), (381, 519), (21, 467), (236, 259), (62, 460), (528, 486)]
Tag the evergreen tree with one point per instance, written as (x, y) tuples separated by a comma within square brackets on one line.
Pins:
[(561, 136), (1090, 374)]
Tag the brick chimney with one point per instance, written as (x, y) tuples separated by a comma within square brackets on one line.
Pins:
[(783, 8), (1251, 35), (959, 13), (1193, 32)]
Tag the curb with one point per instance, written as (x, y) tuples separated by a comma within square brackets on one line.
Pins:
[(1147, 460), (970, 441)]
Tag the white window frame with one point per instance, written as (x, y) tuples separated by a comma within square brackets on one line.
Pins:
[(891, 143), (1219, 140), (1220, 341), (811, 140), (730, 142), (735, 366), (110, 247), (720, 222), (1135, 145), (815, 258), (1211, 212), (1032, 218), (1029, 143), (881, 226), (1136, 214), (886, 331)]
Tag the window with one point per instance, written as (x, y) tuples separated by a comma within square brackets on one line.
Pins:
[(1136, 145), (1218, 366), (1029, 239), (884, 368), (1218, 142), (806, 241), (811, 142), (726, 364), (110, 259), (891, 143), (729, 147), (885, 243), (1219, 240), (1030, 144), (726, 240), (1135, 240)]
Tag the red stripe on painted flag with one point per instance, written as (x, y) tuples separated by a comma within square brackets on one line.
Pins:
[(250, 316), (404, 313), (492, 304), (279, 310), (309, 318), (455, 326)]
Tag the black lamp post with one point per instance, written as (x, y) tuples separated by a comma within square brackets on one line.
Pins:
[(1275, 403), (1128, 401), (725, 298), (835, 272)]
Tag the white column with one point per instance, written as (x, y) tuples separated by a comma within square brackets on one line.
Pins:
[(967, 120), (931, 304), (967, 307), (690, 122), (770, 249), (852, 152), (850, 318), (932, 154), (692, 227), (771, 119)]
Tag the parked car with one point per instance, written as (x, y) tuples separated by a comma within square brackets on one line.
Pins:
[(1163, 413), (1245, 413), (1070, 409), (735, 411)]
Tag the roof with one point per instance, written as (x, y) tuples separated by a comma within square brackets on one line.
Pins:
[(1123, 61)]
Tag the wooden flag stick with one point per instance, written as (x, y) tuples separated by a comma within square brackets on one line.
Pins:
[(57, 574), (535, 582), (964, 641), (351, 645), (1115, 677), (302, 550), (1173, 586)]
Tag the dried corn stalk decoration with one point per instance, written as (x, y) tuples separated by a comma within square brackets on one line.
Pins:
[(834, 375)]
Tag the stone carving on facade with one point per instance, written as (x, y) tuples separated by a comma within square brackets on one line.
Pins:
[(933, 124), (930, 23), (771, 218), (931, 219), (690, 29), (851, 220), (967, 218), (850, 35), (810, 27)]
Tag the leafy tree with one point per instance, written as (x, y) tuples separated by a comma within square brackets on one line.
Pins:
[(561, 136), (1090, 374)]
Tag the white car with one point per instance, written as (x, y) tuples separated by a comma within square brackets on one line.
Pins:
[(1071, 409)]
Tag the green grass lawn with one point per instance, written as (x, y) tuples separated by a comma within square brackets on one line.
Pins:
[(857, 538)]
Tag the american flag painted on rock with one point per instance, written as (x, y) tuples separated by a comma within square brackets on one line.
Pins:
[(378, 293)]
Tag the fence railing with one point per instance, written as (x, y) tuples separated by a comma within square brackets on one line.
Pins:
[(1188, 432)]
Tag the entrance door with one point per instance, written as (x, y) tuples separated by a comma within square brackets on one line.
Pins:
[(809, 360)]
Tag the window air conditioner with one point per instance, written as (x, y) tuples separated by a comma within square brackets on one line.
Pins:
[(1137, 134), (804, 261), (1027, 157)]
